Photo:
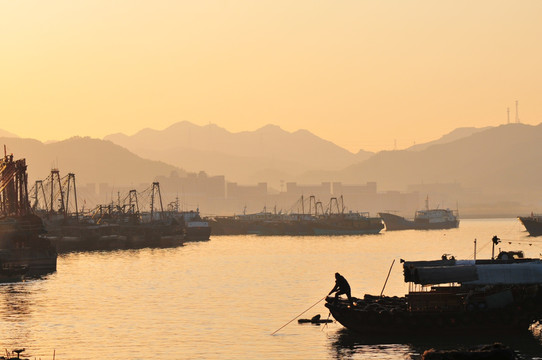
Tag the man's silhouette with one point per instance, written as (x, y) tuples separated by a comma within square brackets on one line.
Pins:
[(341, 287)]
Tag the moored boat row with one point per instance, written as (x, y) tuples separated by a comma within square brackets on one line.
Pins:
[(347, 223), (114, 226)]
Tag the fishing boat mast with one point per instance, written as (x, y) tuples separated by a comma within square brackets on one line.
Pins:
[(133, 202), (71, 181), (13, 187), (55, 175), (156, 190), (37, 187)]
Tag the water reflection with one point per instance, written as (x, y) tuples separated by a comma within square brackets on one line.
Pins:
[(16, 310), (351, 345), (16, 302)]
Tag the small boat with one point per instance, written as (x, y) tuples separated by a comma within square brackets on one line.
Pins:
[(494, 295), (316, 319)]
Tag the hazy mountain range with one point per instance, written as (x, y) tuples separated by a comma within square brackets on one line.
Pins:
[(271, 154), (503, 159), (267, 154), (502, 163)]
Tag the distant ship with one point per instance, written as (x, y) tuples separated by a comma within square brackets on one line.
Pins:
[(428, 219), (533, 224)]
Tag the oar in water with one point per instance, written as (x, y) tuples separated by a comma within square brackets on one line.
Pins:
[(316, 303)]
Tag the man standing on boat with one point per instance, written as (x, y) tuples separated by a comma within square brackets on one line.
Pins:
[(341, 287)]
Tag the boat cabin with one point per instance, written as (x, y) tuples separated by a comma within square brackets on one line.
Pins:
[(465, 285)]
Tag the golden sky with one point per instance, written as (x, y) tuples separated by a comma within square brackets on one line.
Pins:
[(363, 74)]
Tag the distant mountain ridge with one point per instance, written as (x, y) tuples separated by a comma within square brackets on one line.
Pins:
[(506, 158), (456, 134), (242, 156), (92, 160), (7, 134)]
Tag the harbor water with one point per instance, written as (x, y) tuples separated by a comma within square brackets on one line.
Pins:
[(223, 298)]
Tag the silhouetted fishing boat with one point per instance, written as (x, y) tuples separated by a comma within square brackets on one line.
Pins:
[(22, 245), (499, 295)]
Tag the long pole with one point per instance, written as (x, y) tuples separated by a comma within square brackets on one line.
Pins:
[(385, 282), (316, 303), (328, 315)]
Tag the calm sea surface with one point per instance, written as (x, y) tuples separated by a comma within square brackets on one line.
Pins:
[(221, 299)]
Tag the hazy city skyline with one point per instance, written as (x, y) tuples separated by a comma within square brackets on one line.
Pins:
[(369, 75)]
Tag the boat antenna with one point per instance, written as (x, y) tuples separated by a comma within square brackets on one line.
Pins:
[(457, 207), (495, 241)]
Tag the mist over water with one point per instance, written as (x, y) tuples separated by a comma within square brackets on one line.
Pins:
[(221, 299)]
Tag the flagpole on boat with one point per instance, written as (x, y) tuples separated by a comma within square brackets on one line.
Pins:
[(316, 303)]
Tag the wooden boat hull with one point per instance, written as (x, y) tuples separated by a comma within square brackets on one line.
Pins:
[(339, 231), (533, 225), (197, 233), (399, 321)]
